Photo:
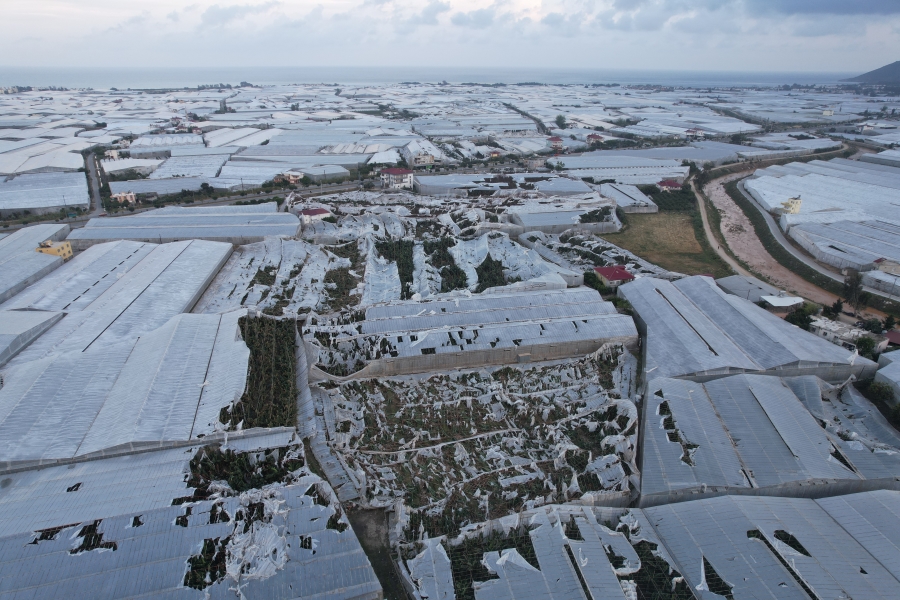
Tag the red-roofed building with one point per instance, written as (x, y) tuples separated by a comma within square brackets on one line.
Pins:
[(594, 138), (309, 215), (893, 337), (395, 178), (668, 185), (613, 276), (556, 143)]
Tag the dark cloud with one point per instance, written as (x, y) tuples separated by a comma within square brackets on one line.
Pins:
[(826, 7), (476, 19)]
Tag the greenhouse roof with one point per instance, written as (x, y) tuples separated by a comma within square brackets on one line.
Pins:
[(166, 386), (694, 329), (119, 292), (744, 540), (20, 263), (744, 431)]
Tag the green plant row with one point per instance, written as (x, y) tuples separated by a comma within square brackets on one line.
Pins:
[(401, 252), (270, 399)]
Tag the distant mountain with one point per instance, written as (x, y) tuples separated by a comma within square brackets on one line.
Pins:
[(886, 74)]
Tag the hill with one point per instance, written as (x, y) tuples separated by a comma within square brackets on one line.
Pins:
[(886, 74)]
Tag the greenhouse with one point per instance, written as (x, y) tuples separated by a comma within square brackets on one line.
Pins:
[(694, 330), (234, 225), (21, 264), (149, 525), (118, 292), (469, 332), (167, 386), (752, 432)]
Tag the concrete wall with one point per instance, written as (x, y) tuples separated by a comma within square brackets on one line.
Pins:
[(810, 488), (83, 244), (639, 209), (606, 227), (477, 358)]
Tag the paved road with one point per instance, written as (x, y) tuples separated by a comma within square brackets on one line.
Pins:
[(776, 231), (90, 165), (735, 266), (807, 260)]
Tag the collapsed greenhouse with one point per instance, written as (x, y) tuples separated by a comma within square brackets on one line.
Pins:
[(753, 435), (487, 442), (729, 547), (198, 522), (467, 332)]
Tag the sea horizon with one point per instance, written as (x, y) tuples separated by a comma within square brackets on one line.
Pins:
[(191, 77)]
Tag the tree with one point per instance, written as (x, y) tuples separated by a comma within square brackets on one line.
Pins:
[(889, 322), (800, 318), (873, 325), (864, 299), (865, 346), (561, 121), (853, 289), (880, 392), (838, 306)]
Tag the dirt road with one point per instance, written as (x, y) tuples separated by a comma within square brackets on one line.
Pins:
[(742, 240), (712, 239)]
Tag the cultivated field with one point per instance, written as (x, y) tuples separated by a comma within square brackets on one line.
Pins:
[(668, 240)]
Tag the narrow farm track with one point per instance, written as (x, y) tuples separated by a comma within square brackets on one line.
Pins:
[(714, 244)]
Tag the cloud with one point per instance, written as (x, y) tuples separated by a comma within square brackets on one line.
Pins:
[(476, 19), (218, 15), (802, 35), (830, 7), (430, 14)]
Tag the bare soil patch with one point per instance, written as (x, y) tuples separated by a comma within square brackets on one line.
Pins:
[(742, 240)]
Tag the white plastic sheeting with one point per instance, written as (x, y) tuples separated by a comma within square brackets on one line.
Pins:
[(224, 224), (20, 328), (37, 499), (746, 431), (166, 386), (158, 285), (20, 264), (696, 330)]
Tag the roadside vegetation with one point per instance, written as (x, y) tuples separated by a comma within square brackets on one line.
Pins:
[(791, 262)]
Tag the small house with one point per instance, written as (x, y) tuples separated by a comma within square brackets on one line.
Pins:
[(613, 276)]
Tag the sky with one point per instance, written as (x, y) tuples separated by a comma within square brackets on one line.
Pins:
[(698, 35)]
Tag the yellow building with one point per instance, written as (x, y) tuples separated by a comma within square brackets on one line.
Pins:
[(63, 249), (791, 206)]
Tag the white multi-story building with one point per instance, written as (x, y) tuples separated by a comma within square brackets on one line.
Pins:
[(394, 178)]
